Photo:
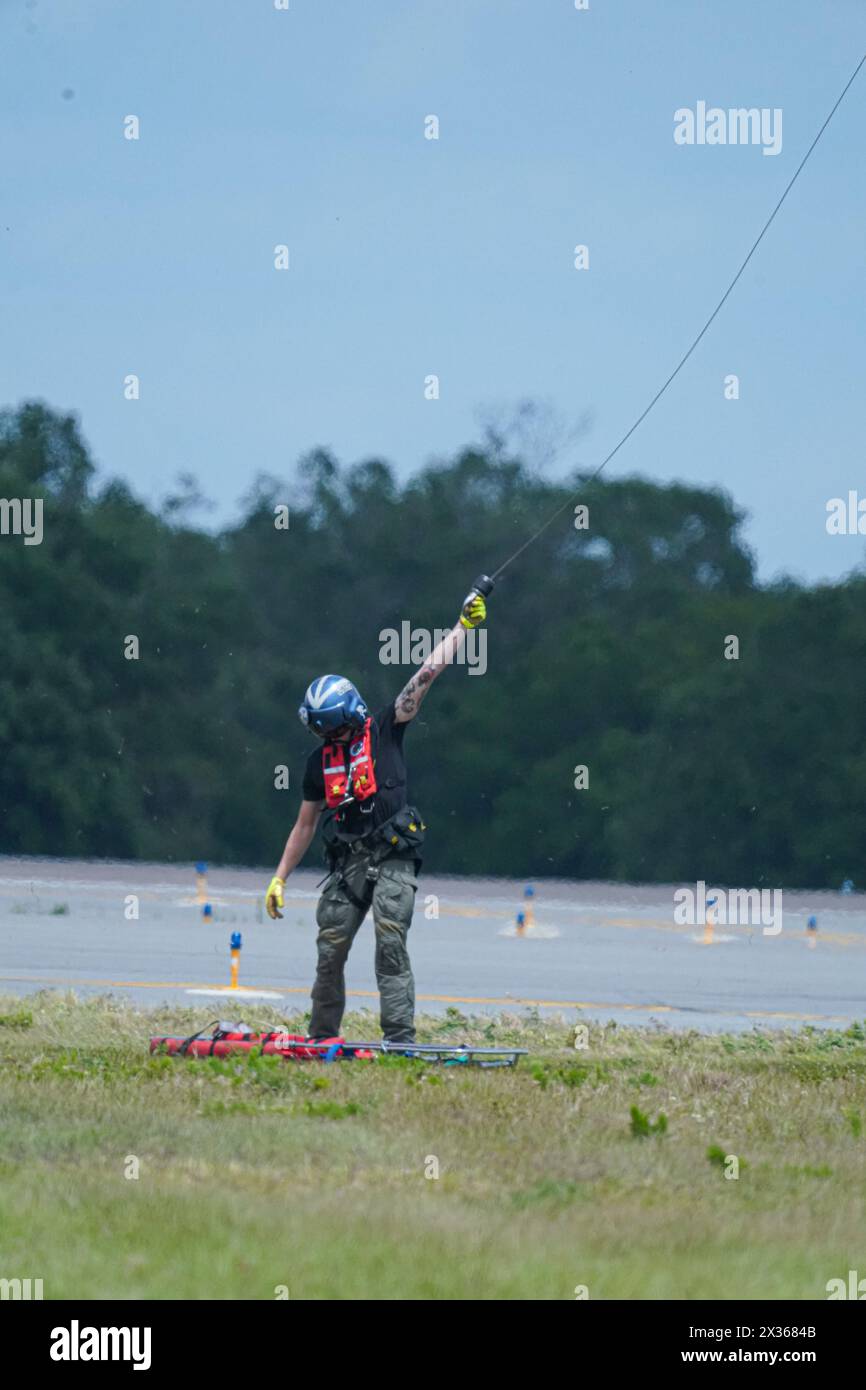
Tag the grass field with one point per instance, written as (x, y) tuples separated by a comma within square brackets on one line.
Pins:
[(603, 1167)]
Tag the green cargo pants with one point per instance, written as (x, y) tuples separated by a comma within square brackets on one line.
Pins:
[(338, 918)]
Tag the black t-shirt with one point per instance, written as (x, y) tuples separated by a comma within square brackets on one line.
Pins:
[(390, 768)]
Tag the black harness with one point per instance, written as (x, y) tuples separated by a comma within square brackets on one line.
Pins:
[(402, 836)]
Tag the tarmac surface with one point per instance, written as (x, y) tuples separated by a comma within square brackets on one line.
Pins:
[(595, 950)]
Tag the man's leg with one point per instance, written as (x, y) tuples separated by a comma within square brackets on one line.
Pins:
[(393, 904), (338, 920)]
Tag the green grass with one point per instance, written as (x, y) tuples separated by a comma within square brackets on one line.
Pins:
[(586, 1167)]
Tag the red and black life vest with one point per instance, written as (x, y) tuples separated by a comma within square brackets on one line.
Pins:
[(352, 780)]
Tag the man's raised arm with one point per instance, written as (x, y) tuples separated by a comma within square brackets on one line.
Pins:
[(408, 702)]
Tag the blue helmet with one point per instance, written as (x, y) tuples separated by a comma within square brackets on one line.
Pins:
[(331, 702)]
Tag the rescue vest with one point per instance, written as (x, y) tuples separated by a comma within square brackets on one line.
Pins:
[(354, 779)]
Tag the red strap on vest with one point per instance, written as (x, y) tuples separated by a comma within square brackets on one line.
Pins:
[(358, 779)]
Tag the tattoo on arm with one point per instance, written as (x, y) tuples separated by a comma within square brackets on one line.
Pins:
[(414, 691)]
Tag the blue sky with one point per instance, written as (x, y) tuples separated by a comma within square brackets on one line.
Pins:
[(453, 257)]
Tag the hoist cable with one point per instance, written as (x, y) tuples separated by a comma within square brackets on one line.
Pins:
[(687, 354)]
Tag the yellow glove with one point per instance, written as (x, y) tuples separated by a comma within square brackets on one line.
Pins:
[(274, 897), (474, 611)]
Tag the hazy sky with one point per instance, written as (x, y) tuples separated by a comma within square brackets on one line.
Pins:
[(454, 256)]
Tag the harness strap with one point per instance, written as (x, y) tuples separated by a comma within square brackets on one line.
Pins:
[(354, 899), (377, 855), (185, 1045)]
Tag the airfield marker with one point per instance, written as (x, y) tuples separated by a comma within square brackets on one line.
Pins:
[(526, 917), (201, 882), (710, 922), (233, 987)]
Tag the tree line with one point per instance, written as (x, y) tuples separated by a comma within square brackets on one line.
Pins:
[(609, 736)]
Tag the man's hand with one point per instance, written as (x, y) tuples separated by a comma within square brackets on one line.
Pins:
[(274, 896), (474, 610)]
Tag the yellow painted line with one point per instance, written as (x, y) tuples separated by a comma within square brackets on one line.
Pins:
[(543, 1003), (802, 1018), (115, 984), (837, 938), (658, 923), (833, 938), (355, 993), (427, 998)]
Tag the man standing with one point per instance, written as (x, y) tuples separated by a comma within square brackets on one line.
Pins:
[(372, 835)]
